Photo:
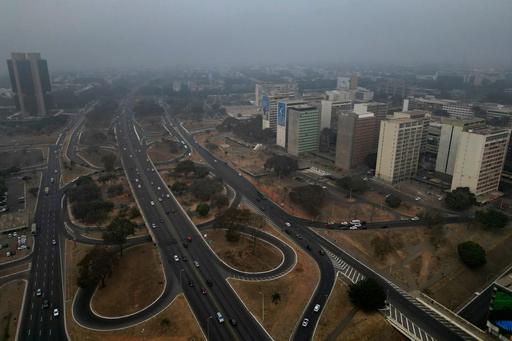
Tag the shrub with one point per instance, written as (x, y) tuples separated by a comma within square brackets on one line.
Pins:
[(472, 254)]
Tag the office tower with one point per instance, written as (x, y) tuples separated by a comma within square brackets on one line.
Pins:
[(421, 115), (362, 95), (458, 110), (398, 153), (266, 89), (356, 139), (282, 120), (451, 131), (269, 108), (343, 83), (354, 80), (303, 129), (339, 95), (378, 108), (330, 110), (480, 158), (30, 82), (433, 138)]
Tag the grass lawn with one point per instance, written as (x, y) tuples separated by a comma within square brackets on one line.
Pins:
[(295, 289), (11, 297), (164, 150), (137, 280), (240, 255)]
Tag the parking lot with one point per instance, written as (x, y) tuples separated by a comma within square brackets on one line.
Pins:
[(16, 190), (15, 244)]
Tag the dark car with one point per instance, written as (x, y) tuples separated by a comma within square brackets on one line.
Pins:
[(45, 304), (183, 258), (204, 291), (232, 322), (209, 283), (190, 284), (287, 231), (185, 245), (321, 252)]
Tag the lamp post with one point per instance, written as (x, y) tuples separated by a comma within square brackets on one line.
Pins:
[(208, 327)]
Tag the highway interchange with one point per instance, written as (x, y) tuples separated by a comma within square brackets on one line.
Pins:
[(175, 234)]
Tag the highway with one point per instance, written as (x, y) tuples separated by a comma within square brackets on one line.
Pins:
[(436, 327), (38, 322)]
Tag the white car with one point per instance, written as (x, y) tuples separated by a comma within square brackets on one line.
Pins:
[(152, 203), (415, 218), (316, 309), (139, 186), (39, 292), (305, 322), (55, 312), (54, 242), (153, 225), (167, 195), (176, 258), (158, 188), (417, 198), (353, 227), (288, 224)]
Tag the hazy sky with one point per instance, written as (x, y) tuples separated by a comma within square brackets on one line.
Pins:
[(86, 34)]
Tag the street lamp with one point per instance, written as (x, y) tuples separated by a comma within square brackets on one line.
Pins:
[(262, 306), (208, 326)]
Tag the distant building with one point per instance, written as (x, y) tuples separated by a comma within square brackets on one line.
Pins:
[(480, 158), (269, 108), (356, 139), (282, 120), (354, 81), (30, 83), (459, 111), (451, 131), (421, 115), (330, 110), (400, 142), (340, 95), (266, 89), (362, 95), (378, 108), (433, 138), (303, 129), (343, 83)]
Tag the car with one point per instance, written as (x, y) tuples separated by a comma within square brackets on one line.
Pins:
[(45, 304), (153, 225), (415, 218), (417, 198), (159, 199), (131, 155), (167, 212), (55, 312), (158, 188), (355, 221), (204, 291), (167, 195), (184, 258), (305, 322), (52, 180), (287, 231), (288, 224), (239, 174), (189, 238), (316, 309), (176, 258), (220, 318), (152, 203), (209, 283), (214, 160), (299, 236), (308, 247), (55, 171), (185, 245), (39, 292), (190, 284), (139, 186), (232, 322), (54, 242), (136, 180), (196, 264)]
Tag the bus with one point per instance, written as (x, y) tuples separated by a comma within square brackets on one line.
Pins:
[(34, 228)]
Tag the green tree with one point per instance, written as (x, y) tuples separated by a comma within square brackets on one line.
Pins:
[(353, 184), (109, 161), (115, 190), (203, 209), (492, 218), (393, 201), (219, 201), (201, 172), (179, 187), (185, 167), (367, 295), (432, 217), (232, 235), (94, 267), (281, 165), (204, 189), (460, 199), (276, 297), (118, 231), (472, 254)]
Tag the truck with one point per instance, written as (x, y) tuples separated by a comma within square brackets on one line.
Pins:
[(34, 228)]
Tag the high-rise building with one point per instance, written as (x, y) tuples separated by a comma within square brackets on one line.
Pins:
[(269, 108), (400, 141), (480, 158), (343, 83), (433, 138), (356, 139), (421, 115), (282, 120), (354, 80), (449, 141), (378, 108), (330, 110), (30, 83), (303, 129), (461, 111)]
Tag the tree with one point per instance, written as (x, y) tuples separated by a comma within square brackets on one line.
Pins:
[(393, 201), (234, 218), (276, 297), (432, 217), (471, 254), (179, 187), (94, 267), (232, 235), (367, 295), (460, 199), (310, 197), (281, 165), (117, 232), (203, 209), (201, 172), (109, 161), (219, 201), (204, 189), (352, 184), (185, 167), (492, 218), (115, 190)]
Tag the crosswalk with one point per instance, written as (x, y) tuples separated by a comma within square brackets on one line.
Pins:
[(344, 268), (405, 325)]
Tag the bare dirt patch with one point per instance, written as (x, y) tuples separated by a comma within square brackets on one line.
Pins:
[(164, 150), (11, 296), (21, 158), (426, 259), (294, 289), (241, 255), (370, 327), (137, 280), (95, 156)]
